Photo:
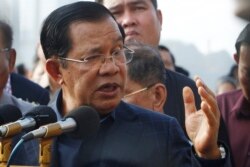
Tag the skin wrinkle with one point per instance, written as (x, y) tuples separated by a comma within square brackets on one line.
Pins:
[(96, 48), (88, 88)]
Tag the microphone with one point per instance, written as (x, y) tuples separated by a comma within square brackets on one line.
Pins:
[(9, 113), (79, 123), (35, 118)]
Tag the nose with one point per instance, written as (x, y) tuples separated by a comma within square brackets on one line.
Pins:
[(127, 19), (110, 58), (108, 67)]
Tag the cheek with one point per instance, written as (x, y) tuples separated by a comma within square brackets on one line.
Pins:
[(123, 75), (81, 81), (243, 79), (245, 85), (4, 74), (84, 81)]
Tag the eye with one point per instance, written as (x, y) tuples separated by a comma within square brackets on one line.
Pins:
[(92, 58), (116, 13), (117, 52), (139, 8)]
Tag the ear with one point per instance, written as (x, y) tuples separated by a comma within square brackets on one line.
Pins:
[(53, 69), (12, 59), (159, 16), (159, 97), (236, 58)]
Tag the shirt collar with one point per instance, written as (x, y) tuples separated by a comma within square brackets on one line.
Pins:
[(56, 102), (242, 107)]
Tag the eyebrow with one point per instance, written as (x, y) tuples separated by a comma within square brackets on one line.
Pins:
[(131, 3), (98, 48)]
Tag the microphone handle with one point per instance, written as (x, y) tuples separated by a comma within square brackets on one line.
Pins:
[(45, 152), (56, 129), (10, 129), (52, 129), (13, 128), (5, 148)]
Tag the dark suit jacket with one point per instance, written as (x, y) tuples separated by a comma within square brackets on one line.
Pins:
[(27, 153), (28, 90), (174, 105), (130, 137)]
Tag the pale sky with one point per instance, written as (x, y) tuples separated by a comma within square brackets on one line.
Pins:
[(209, 24)]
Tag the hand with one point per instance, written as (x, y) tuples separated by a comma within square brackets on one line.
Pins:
[(202, 126)]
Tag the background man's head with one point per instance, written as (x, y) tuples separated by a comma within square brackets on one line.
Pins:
[(83, 45), (140, 19), (225, 84), (7, 54), (146, 77), (242, 58), (167, 57)]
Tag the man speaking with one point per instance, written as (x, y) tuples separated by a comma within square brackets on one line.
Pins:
[(85, 52)]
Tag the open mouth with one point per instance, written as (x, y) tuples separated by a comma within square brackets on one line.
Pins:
[(109, 88)]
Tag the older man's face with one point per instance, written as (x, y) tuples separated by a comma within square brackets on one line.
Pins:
[(4, 65), (99, 85), (140, 20)]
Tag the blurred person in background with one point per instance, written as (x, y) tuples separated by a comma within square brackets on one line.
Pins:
[(7, 64), (169, 60), (17, 85), (22, 70), (40, 75), (225, 84), (234, 73), (235, 105), (167, 57), (145, 84)]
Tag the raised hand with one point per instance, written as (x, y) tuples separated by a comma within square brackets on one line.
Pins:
[(202, 126)]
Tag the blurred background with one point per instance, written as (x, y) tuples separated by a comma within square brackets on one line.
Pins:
[(200, 33)]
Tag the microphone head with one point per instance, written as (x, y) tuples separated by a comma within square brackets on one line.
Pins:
[(42, 115), (87, 120), (9, 113)]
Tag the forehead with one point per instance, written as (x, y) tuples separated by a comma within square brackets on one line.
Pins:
[(118, 3), (244, 58), (95, 33), (245, 50)]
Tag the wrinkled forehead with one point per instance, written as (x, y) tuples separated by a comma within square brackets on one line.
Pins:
[(95, 34), (99, 28)]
